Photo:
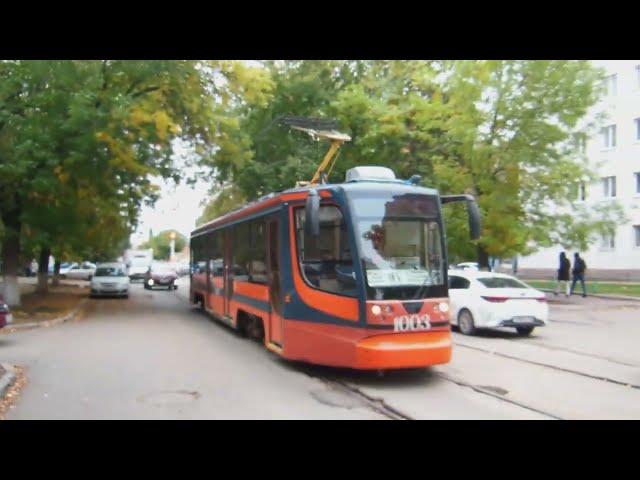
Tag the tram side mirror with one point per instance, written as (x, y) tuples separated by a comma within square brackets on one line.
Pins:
[(312, 214), (475, 219), (475, 222)]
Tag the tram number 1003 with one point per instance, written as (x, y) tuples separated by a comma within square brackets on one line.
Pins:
[(405, 323)]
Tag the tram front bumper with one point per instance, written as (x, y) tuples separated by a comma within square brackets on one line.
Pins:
[(403, 350)]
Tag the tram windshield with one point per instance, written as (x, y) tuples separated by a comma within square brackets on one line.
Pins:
[(401, 245)]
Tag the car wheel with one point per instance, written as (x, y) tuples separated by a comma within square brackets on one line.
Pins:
[(465, 322), (524, 331)]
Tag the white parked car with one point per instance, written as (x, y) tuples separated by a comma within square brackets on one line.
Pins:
[(492, 300), (84, 271), (468, 266), (66, 266), (110, 279)]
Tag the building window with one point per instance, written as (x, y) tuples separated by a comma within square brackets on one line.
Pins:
[(638, 76), (636, 231), (637, 120), (608, 242), (611, 85), (609, 136), (637, 175), (609, 186)]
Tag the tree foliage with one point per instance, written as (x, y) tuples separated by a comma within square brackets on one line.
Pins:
[(226, 199), (504, 131), (161, 244), (81, 141)]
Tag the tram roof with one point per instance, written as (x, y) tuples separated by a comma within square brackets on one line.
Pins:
[(398, 186)]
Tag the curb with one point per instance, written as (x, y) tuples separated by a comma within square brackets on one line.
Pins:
[(598, 295), (49, 323), (7, 379)]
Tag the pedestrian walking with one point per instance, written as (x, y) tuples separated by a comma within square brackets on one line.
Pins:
[(563, 274), (579, 268)]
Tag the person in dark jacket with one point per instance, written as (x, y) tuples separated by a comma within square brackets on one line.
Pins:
[(579, 267), (563, 274)]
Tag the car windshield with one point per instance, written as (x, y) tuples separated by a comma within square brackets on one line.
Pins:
[(501, 282), (110, 272), (162, 269), (400, 245), (139, 261)]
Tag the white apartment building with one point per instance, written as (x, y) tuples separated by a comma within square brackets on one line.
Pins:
[(614, 153)]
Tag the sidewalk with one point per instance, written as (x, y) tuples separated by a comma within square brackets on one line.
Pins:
[(57, 306), (561, 298)]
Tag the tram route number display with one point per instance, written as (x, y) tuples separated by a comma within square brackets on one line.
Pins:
[(411, 323)]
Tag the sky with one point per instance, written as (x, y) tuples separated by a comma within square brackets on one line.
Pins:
[(177, 209), (178, 206)]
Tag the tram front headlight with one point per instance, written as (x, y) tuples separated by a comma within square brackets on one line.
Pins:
[(443, 307), (376, 310)]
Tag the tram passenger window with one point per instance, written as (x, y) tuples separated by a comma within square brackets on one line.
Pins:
[(216, 263), (257, 262), (325, 260), (241, 251), (199, 261)]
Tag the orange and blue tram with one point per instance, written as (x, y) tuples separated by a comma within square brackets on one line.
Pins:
[(348, 275)]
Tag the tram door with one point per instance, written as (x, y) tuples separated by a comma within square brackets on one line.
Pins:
[(275, 288)]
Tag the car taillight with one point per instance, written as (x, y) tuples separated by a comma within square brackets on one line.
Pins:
[(542, 299), (496, 299)]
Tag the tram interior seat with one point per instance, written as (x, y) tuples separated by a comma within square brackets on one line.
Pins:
[(257, 272)]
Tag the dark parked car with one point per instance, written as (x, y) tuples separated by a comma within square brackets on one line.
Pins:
[(5, 314), (160, 275)]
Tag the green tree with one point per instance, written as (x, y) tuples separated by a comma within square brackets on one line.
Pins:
[(227, 198), (503, 131), (161, 244), (80, 142)]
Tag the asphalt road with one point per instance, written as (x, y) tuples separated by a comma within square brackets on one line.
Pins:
[(151, 357)]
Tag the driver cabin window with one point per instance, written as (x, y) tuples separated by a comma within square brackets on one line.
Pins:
[(325, 260)]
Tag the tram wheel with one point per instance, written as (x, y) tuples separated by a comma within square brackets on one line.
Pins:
[(255, 330)]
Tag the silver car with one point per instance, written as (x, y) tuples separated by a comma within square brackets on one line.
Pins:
[(84, 271), (110, 279)]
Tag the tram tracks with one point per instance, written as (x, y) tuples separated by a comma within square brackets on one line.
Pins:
[(387, 406), (379, 405), (485, 391), (551, 366)]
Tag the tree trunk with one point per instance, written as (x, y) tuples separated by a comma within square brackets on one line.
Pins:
[(483, 258), (56, 274), (43, 270), (11, 258)]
